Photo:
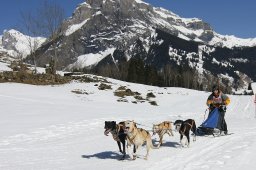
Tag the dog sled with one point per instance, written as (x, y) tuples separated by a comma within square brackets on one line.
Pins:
[(210, 125)]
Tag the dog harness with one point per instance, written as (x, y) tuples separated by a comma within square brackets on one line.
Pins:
[(131, 138), (161, 131), (185, 128), (114, 133)]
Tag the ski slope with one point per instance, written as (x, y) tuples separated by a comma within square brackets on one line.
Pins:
[(49, 127)]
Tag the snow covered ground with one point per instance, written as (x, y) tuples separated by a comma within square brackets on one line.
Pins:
[(4, 67), (50, 127)]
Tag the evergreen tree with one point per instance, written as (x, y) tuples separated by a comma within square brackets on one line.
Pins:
[(136, 71), (132, 76), (151, 75)]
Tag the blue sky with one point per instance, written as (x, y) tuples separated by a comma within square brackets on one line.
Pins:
[(232, 17)]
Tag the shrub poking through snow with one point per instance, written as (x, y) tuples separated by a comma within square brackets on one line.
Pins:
[(36, 79), (123, 93), (153, 103), (150, 95), (121, 88), (138, 97), (79, 91), (122, 100), (103, 86), (89, 78)]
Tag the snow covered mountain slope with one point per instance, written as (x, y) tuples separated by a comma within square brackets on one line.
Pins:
[(157, 36), (231, 41), (144, 17), (98, 25), (17, 45), (50, 127)]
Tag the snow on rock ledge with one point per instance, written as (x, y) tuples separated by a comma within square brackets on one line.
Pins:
[(88, 60)]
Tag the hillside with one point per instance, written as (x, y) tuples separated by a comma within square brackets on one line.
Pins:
[(51, 127)]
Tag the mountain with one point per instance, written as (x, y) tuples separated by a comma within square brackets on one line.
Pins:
[(104, 33), (14, 44)]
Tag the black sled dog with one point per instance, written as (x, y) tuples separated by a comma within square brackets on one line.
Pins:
[(117, 131), (184, 128)]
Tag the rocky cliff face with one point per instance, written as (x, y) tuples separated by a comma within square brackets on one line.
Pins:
[(132, 28), (98, 25), (17, 45)]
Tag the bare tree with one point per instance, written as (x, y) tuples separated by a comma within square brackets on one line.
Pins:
[(29, 24), (50, 18), (167, 74), (44, 22)]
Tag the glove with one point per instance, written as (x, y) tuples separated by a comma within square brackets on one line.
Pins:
[(223, 108), (217, 105)]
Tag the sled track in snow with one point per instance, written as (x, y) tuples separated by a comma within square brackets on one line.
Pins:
[(55, 132)]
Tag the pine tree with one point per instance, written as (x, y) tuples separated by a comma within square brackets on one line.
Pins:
[(151, 76), (136, 71), (132, 76)]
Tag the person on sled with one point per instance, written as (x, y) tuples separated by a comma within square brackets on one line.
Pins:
[(219, 100)]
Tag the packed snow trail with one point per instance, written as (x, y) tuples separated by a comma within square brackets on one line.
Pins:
[(49, 127)]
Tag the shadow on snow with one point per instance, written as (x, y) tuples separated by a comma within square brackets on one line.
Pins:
[(166, 143), (104, 155)]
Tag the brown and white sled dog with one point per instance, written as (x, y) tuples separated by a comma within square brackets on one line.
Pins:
[(184, 128), (161, 129), (137, 137)]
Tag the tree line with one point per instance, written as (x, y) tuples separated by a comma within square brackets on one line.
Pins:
[(137, 71)]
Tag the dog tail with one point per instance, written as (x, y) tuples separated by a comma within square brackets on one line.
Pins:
[(194, 131), (194, 127)]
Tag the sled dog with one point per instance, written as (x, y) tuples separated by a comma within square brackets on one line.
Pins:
[(161, 129), (184, 127), (137, 137), (117, 131)]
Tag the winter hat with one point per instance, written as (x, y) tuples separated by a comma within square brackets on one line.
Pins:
[(215, 87)]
